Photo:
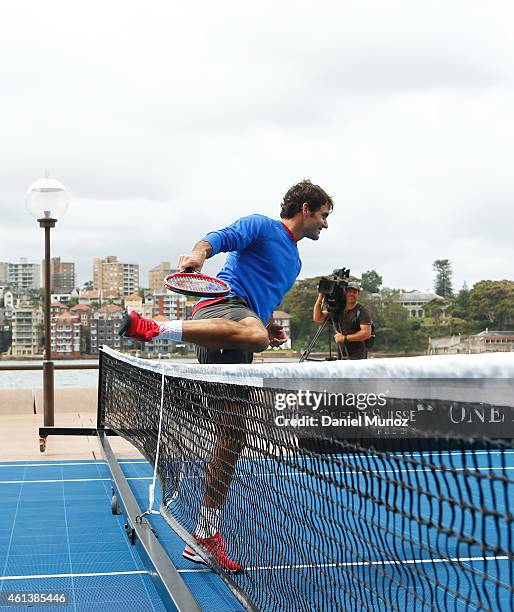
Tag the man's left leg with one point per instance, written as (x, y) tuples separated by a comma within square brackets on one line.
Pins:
[(246, 334)]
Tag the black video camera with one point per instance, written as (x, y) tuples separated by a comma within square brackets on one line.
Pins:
[(333, 288)]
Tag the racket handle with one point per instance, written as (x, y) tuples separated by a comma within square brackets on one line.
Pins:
[(190, 269)]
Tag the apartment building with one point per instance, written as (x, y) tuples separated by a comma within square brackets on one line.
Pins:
[(4, 272), (169, 305), (65, 336), (85, 313), (57, 309), (62, 275), (157, 275), (24, 275), (105, 325), (111, 275), (27, 331), (5, 331), (17, 297)]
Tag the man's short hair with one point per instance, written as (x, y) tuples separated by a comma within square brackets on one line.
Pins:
[(303, 192)]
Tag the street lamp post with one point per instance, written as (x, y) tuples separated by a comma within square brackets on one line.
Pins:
[(47, 201)]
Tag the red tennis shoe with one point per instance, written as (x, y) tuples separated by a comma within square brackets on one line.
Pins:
[(134, 326), (217, 549)]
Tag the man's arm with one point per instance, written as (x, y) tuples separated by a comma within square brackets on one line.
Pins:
[(239, 235), (318, 314), (362, 335), (195, 259), (235, 237)]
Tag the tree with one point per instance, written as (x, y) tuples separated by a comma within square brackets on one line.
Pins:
[(299, 303), (371, 281), (462, 302), (443, 278), (493, 301), (434, 309), (397, 332), (88, 285)]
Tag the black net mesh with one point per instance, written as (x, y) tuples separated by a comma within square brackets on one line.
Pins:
[(373, 524)]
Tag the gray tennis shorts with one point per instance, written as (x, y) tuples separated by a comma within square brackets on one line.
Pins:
[(233, 309)]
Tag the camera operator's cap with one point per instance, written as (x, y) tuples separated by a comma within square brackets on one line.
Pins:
[(354, 285)]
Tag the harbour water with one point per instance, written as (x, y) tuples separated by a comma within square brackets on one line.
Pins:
[(66, 379), (33, 379)]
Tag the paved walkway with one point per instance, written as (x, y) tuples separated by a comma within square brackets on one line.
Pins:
[(73, 408)]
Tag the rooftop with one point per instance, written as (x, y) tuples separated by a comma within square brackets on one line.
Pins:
[(281, 314), (111, 308), (417, 296), (83, 307), (497, 335), (90, 293)]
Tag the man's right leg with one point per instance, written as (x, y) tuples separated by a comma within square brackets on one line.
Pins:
[(230, 439)]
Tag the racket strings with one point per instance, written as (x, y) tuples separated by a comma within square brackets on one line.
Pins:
[(199, 284), (196, 284)]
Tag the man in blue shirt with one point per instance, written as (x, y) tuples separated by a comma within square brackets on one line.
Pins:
[(261, 267)]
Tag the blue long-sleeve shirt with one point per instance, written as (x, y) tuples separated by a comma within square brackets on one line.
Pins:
[(262, 264)]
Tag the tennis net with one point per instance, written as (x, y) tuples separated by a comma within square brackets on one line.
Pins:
[(409, 510)]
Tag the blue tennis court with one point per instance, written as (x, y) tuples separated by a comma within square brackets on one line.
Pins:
[(376, 549), (58, 535)]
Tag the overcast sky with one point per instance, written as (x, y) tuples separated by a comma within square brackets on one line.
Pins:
[(165, 120)]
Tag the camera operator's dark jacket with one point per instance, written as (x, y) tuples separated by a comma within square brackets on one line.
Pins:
[(349, 322)]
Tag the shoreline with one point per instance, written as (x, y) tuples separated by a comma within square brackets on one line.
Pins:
[(258, 357)]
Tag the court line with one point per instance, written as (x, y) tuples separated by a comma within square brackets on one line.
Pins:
[(72, 575), (52, 464), (354, 564), (71, 480), (383, 562), (267, 567), (366, 472), (426, 454), (436, 452)]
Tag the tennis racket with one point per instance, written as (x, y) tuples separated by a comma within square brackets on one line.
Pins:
[(193, 283)]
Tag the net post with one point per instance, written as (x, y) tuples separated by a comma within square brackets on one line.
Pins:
[(100, 413)]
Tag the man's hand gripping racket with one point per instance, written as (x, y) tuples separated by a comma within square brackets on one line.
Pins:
[(190, 282)]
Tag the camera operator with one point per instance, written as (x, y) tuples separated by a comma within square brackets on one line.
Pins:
[(351, 319)]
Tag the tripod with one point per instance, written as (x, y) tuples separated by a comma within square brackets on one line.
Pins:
[(331, 326)]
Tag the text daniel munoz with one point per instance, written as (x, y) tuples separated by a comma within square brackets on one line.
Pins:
[(360, 402)]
